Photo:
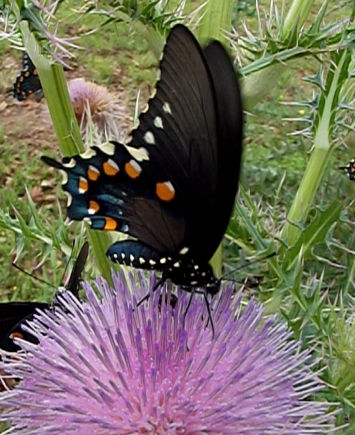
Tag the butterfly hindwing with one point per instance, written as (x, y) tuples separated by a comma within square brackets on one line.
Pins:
[(108, 187), (136, 254)]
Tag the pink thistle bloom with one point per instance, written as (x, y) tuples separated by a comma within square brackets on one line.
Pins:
[(106, 367), (102, 116)]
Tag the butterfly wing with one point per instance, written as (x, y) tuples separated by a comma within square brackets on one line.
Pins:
[(229, 114), (27, 82), (12, 316), (162, 187)]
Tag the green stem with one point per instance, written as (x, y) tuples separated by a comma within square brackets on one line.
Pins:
[(305, 194), (317, 164), (350, 279), (296, 16), (65, 125), (57, 96), (216, 21)]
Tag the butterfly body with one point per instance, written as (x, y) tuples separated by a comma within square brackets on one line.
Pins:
[(180, 268), (172, 185), (27, 82)]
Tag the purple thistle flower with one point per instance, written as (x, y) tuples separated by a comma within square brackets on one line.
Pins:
[(106, 367), (102, 115)]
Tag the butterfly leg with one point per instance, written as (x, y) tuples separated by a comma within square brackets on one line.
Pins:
[(209, 314), (146, 297)]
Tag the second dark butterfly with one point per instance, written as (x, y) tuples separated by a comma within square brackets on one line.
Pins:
[(27, 82), (350, 169), (172, 185), (15, 314)]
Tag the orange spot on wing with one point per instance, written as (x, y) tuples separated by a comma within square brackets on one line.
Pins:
[(110, 224), (92, 175), (109, 169), (165, 191), (16, 334), (35, 72), (83, 185), (131, 171), (27, 74), (94, 206)]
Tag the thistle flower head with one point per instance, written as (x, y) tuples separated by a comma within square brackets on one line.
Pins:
[(100, 114), (106, 367)]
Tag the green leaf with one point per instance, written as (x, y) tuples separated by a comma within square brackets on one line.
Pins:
[(315, 233)]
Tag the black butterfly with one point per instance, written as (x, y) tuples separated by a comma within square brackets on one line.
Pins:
[(350, 169), (27, 82), (14, 314), (172, 185)]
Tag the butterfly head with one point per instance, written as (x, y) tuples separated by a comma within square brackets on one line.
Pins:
[(187, 273), (213, 287)]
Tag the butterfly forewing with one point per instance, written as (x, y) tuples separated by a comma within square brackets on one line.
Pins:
[(179, 131), (229, 140)]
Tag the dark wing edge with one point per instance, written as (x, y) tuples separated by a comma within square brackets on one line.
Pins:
[(12, 316), (229, 111)]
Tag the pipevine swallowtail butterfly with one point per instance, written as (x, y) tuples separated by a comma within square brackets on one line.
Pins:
[(27, 82), (172, 185), (350, 169)]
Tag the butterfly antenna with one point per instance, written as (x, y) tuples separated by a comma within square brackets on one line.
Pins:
[(32, 276), (146, 297), (247, 265)]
